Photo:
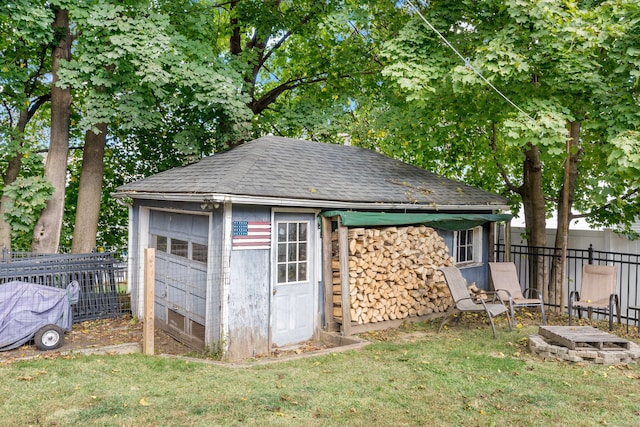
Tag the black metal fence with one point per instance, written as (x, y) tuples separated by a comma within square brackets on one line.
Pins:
[(102, 279), (627, 266)]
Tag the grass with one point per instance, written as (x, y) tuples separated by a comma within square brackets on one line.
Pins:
[(410, 376)]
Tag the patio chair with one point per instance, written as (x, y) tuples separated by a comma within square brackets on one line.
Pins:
[(464, 302), (598, 291), (505, 282)]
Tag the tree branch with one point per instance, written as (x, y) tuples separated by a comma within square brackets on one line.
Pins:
[(503, 172), (217, 5), (263, 56), (259, 105), (34, 78), (270, 52), (7, 107), (235, 46), (37, 104), (627, 196)]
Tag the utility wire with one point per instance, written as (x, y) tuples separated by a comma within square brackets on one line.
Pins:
[(467, 62)]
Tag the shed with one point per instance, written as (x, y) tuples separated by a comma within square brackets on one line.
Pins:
[(243, 238)]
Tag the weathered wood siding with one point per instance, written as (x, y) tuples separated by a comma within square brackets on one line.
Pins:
[(249, 293)]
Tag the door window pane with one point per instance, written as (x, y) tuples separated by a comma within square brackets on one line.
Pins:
[(302, 252), (282, 232), (291, 253), (302, 271), (292, 276), (282, 273), (293, 232), (303, 231), (282, 252)]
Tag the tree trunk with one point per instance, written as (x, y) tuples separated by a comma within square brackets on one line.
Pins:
[(46, 235), (565, 203), (8, 177), (534, 215), (90, 191)]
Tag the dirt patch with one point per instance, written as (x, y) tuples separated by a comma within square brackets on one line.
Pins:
[(97, 334)]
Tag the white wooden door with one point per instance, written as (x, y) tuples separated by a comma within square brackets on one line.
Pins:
[(293, 314)]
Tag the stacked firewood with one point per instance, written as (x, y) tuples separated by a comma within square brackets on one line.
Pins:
[(393, 274), (476, 293)]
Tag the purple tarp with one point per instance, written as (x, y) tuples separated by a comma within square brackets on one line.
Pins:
[(26, 307)]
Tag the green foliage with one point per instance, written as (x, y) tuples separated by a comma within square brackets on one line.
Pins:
[(625, 155), (162, 75), (29, 196), (558, 62)]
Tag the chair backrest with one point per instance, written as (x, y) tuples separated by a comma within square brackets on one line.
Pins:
[(598, 283), (458, 287), (505, 276)]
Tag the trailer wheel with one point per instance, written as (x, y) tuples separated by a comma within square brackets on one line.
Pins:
[(49, 337)]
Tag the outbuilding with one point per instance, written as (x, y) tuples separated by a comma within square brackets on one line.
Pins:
[(254, 245)]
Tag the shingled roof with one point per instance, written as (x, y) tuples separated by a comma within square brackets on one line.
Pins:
[(296, 172)]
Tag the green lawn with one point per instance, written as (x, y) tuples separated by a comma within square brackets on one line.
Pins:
[(461, 377)]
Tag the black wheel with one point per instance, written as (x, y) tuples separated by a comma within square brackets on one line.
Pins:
[(49, 337)]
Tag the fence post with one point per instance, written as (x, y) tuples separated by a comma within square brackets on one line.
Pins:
[(590, 253), (149, 283), (507, 242)]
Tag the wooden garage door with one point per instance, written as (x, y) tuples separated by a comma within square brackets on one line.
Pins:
[(181, 247)]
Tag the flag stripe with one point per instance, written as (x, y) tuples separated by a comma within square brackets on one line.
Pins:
[(251, 234)]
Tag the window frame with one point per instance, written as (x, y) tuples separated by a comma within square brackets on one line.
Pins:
[(476, 247), (165, 244), (288, 263)]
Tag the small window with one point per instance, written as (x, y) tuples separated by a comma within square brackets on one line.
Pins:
[(160, 243), (180, 248), (468, 246), (199, 252)]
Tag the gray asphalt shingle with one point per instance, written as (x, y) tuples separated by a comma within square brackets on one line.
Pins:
[(296, 169)]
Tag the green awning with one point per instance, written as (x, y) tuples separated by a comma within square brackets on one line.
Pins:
[(444, 221)]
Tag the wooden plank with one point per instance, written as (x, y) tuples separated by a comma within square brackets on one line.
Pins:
[(327, 275), (343, 249), (148, 326), (575, 337)]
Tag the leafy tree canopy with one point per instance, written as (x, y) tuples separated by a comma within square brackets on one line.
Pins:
[(558, 62)]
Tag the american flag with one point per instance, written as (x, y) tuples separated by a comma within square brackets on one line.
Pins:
[(251, 235)]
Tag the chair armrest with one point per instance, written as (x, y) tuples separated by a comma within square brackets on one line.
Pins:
[(528, 291), (577, 295), (474, 300), (496, 295), (509, 296)]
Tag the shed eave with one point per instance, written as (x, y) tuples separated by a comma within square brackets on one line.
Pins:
[(305, 203)]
